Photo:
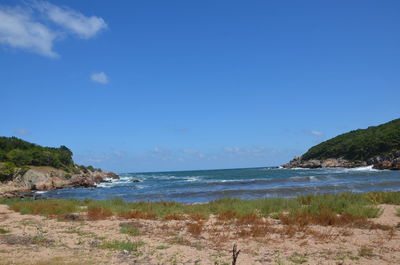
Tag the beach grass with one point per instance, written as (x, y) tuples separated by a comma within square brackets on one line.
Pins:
[(310, 207), (129, 229), (121, 245)]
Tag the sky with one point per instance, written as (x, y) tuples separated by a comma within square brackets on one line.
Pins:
[(133, 86)]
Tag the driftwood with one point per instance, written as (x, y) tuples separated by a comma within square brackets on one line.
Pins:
[(235, 254)]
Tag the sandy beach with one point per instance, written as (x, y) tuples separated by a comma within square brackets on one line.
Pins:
[(34, 239)]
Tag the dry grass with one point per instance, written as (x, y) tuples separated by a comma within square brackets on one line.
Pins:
[(226, 216), (45, 207), (98, 213), (175, 216), (137, 215), (250, 219), (195, 228), (324, 219), (197, 217)]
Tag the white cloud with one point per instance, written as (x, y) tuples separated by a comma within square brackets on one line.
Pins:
[(22, 132), (101, 78), (316, 133), (36, 27), (19, 30), (72, 20)]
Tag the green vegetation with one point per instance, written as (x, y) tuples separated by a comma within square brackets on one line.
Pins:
[(22, 153), (17, 154), (4, 231), (129, 229), (362, 205), (297, 258), (359, 145), (122, 245)]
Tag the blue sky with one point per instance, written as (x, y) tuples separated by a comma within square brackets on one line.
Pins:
[(174, 85)]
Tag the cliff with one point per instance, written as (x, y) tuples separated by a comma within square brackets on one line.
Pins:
[(378, 146), (25, 167)]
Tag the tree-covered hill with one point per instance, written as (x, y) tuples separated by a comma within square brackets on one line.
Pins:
[(359, 145), (22, 153)]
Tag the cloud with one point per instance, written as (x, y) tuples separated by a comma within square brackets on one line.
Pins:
[(248, 151), (19, 30), (22, 132), (36, 27), (100, 77), (316, 133), (193, 152), (72, 20)]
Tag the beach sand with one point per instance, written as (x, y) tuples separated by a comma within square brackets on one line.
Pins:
[(33, 239)]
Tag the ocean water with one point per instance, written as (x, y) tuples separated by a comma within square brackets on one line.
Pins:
[(248, 183)]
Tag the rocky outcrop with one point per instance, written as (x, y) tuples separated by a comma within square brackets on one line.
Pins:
[(90, 179), (389, 161), (40, 178), (298, 162), (48, 178)]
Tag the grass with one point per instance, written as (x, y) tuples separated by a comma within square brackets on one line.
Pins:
[(122, 245), (129, 229), (297, 258), (4, 231), (327, 209), (365, 252), (398, 212)]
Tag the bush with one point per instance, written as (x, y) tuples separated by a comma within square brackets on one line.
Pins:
[(7, 170)]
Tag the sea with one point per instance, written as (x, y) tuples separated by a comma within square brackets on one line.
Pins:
[(201, 186)]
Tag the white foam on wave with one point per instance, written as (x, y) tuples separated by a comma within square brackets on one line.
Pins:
[(41, 191), (304, 178), (191, 179), (367, 168)]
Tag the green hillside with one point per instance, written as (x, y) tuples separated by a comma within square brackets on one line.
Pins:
[(359, 145), (22, 153)]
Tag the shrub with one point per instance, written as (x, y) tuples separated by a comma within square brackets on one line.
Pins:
[(6, 171)]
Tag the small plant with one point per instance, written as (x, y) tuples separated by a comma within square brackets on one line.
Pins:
[(41, 240), (235, 254), (365, 252), (162, 247), (122, 245), (4, 231), (298, 258), (129, 229)]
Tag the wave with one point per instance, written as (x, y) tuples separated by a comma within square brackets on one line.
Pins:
[(289, 191), (366, 168)]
